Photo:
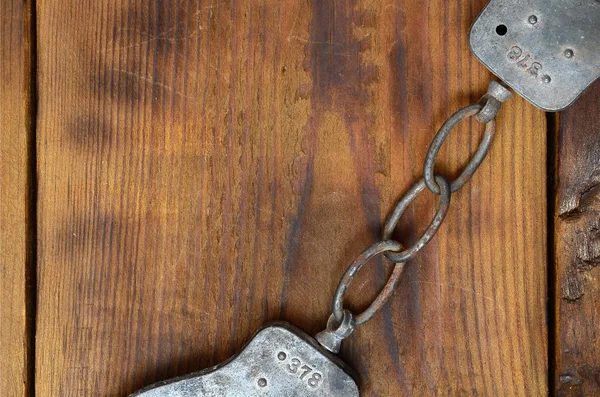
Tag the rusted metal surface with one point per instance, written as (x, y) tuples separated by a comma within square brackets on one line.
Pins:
[(413, 192), (338, 300), (280, 360)]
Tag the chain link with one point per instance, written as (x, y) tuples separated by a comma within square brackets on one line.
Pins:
[(390, 225), (359, 262), (436, 144), (485, 112)]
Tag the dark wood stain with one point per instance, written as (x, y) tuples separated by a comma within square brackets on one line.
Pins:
[(87, 130)]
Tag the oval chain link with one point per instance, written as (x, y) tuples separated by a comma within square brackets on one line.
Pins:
[(476, 160), (359, 262), (484, 111), (390, 225)]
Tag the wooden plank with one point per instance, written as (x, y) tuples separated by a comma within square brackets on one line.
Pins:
[(577, 248), (208, 166), (17, 257)]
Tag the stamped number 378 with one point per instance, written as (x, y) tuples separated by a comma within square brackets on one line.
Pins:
[(299, 369), (524, 61)]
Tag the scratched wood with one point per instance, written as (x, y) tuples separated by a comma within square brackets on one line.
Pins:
[(16, 220), (206, 166), (577, 247)]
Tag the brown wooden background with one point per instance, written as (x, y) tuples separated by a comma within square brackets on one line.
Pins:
[(184, 171)]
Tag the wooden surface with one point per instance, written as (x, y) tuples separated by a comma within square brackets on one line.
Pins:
[(16, 241), (207, 166), (577, 234)]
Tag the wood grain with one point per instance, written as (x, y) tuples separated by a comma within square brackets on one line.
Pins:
[(206, 166), (577, 245), (16, 220)]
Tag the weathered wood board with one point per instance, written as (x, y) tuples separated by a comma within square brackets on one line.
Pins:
[(577, 249), (206, 166)]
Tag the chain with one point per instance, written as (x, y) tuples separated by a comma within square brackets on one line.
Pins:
[(342, 322)]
